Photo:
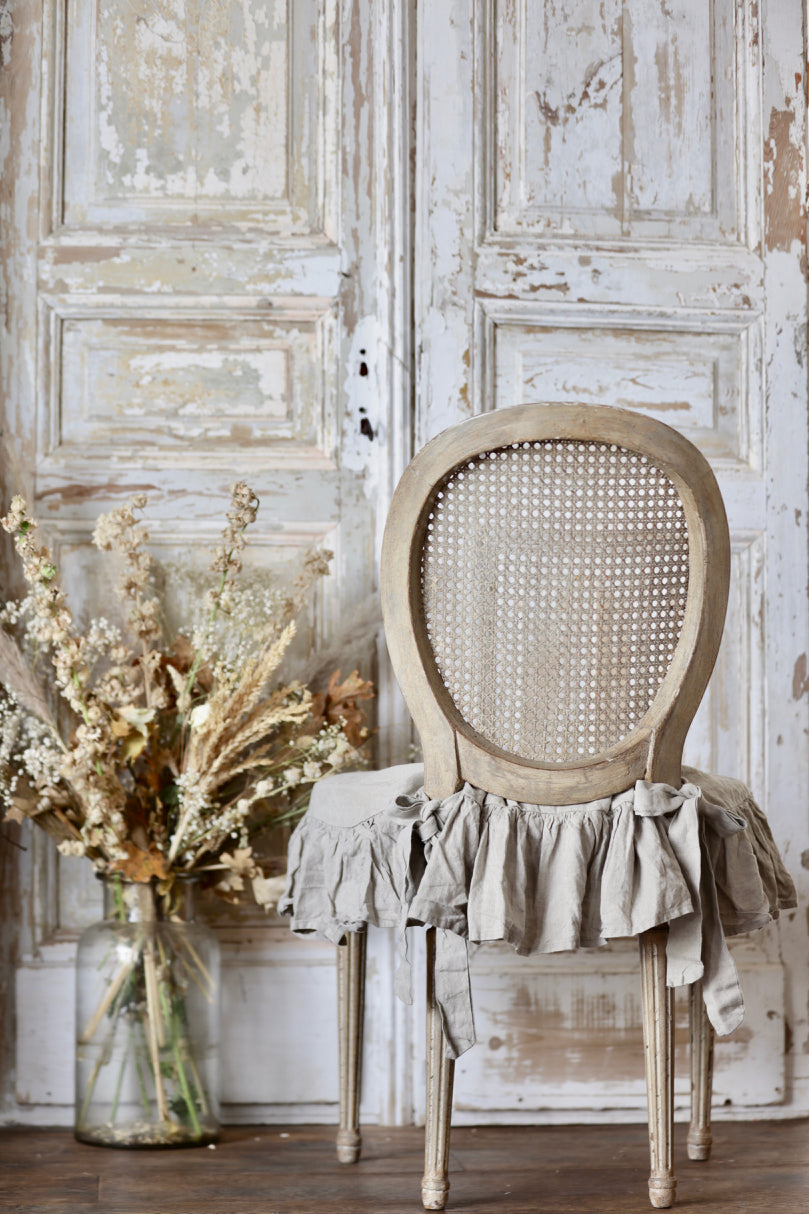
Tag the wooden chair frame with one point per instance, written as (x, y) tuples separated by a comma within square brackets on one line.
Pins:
[(454, 752), (653, 751)]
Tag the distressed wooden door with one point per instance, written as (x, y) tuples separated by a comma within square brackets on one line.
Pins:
[(205, 274), (201, 207), (610, 210)]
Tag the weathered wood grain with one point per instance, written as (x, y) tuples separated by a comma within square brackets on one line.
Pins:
[(405, 139), (759, 1167), (605, 194), (205, 269)]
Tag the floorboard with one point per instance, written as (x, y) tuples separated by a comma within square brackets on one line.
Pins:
[(757, 1168)]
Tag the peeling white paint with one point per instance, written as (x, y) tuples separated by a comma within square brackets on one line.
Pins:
[(213, 177), (187, 320), (611, 229)]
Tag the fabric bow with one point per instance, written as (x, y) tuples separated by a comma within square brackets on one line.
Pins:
[(425, 818), (696, 946)]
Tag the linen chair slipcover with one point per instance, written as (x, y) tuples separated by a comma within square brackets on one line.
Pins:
[(554, 583)]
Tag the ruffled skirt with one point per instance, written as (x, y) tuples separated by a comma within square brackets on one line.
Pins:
[(374, 849)]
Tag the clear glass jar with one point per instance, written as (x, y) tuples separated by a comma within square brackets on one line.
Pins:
[(147, 1021)]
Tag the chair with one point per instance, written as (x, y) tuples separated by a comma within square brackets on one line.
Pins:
[(554, 585)]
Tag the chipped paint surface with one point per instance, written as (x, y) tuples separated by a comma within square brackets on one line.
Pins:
[(785, 207), (612, 122), (203, 117), (593, 217), (160, 379), (224, 277), (548, 1039), (800, 679), (198, 265), (19, 129), (203, 113)]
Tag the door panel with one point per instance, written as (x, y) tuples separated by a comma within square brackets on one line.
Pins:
[(212, 194), (206, 274), (611, 122), (600, 219)]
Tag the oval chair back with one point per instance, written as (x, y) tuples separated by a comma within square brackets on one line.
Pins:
[(554, 587)]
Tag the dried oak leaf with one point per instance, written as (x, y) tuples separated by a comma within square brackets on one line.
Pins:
[(341, 704), (141, 865), (182, 653), (240, 860)]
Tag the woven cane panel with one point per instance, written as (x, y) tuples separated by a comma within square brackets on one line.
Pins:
[(554, 582)]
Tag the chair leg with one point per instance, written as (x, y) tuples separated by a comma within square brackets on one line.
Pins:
[(658, 1040), (350, 1008), (440, 1076), (702, 1043)]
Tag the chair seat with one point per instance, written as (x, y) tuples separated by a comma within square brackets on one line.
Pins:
[(348, 860), (374, 849)]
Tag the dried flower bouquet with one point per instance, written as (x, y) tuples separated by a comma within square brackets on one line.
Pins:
[(161, 762)]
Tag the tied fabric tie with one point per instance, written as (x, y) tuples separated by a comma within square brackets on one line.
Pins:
[(696, 947), (700, 859), (425, 819)]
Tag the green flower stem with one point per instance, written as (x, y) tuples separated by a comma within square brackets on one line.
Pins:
[(199, 1085), (111, 1005), (177, 1034), (77, 684), (155, 1028), (111, 997), (88, 1095), (147, 682), (102, 1061), (289, 816), (189, 1100), (196, 978), (119, 1083), (119, 898)]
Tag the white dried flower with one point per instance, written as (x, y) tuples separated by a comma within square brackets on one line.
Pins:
[(198, 716), (72, 847), (119, 532), (160, 738), (341, 753), (267, 890)]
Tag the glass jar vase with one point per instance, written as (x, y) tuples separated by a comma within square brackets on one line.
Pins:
[(147, 1021)]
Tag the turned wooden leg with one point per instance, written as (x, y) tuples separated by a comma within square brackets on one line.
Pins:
[(350, 1008), (702, 1042), (658, 1041), (440, 1076)]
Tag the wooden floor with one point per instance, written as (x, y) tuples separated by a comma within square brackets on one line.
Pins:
[(757, 1167)]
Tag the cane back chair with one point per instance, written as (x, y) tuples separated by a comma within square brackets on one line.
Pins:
[(554, 585)]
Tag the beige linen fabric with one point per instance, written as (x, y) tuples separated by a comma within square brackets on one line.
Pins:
[(374, 849)]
